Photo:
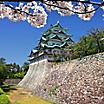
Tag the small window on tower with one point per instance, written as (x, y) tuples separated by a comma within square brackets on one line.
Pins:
[(53, 43), (55, 30)]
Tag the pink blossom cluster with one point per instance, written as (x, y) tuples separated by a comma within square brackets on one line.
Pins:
[(31, 12), (35, 14), (67, 9), (81, 8)]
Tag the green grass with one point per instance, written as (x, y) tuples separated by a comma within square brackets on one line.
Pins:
[(32, 100), (22, 96)]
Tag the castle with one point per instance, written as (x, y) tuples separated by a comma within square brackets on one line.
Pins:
[(52, 45)]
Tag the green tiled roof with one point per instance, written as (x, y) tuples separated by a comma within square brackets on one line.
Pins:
[(56, 33), (56, 26), (54, 37)]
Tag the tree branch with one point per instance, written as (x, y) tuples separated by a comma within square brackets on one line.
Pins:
[(99, 4), (86, 1), (18, 10), (65, 8)]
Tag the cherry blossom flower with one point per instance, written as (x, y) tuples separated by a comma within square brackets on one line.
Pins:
[(35, 14), (102, 6), (20, 5), (86, 16), (2, 11), (34, 3), (49, 8), (39, 20), (26, 8), (65, 12)]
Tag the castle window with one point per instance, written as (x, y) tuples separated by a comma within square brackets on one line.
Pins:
[(55, 31), (53, 43)]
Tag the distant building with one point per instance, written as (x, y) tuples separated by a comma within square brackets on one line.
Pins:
[(52, 45)]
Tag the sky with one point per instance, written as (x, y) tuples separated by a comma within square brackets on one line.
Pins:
[(19, 38)]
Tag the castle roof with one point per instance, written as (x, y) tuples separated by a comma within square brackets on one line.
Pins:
[(54, 37), (53, 28)]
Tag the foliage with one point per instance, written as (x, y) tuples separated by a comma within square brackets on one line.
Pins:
[(15, 68), (2, 60), (4, 99), (1, 91), (16, 71), (25, 66), (3, 72), (94, 43), (98, 37), (36, 12), (19, 75), (11, 71), (89, 44), (7, 87)]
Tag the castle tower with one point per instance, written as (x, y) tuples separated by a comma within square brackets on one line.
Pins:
[(51, 45)]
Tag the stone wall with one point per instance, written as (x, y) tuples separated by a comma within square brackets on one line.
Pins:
[(75, 82)]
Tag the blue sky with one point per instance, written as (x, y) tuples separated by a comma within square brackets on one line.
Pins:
[(17, 39)]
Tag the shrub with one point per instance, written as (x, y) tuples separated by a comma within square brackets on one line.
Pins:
[(1, 91), (19, 75), (3, 73), (5, 87), (4, 99)]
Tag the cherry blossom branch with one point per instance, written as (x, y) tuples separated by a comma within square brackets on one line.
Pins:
[(34, 13), (99, 4), (81, 1), (18, 10), (89, 2), (36, 18), (65, 8)]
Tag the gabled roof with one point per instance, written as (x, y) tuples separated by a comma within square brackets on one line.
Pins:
[(56, 26), (69, 40), (55, 37), (30, 54), (34, 51), (59, 38), (44, 38), (53, 46)]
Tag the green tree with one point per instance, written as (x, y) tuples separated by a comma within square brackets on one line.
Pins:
[(18, 68), (97, 35), (2, 60), (25, 66), (90, 44), (3, 73), (15, 68), (84, 45)]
